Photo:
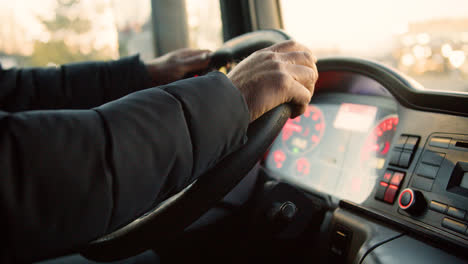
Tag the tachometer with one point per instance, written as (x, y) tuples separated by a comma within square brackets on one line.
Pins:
[(377, 144), (304, 132)]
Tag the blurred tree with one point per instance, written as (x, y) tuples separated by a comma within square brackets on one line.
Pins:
[(66, 28)]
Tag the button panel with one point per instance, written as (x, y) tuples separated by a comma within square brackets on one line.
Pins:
[(454, 212), (389, 185), (404, 150)]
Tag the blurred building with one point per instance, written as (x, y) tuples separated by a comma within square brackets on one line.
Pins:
[(434, 46)]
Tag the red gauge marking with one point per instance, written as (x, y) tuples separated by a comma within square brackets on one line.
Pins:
[(316, 116), (386, 148), (303, 166), (318, 126), (315, 139), (378, 142), (279, 157)]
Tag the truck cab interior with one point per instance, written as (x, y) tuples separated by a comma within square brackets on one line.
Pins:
[(375, 170)]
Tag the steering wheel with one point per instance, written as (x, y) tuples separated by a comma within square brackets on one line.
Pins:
[(172, 216)]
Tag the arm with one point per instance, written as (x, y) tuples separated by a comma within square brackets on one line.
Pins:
[(71, 176), (71, 86)]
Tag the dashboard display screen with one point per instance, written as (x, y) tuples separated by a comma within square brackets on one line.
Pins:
[(335, 148), (355, 117)]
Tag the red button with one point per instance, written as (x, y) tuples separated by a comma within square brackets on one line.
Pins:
[(397, 178), (390, 194), (387, 176), (381, 189)]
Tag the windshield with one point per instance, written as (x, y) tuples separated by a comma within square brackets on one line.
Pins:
[(426, 39)]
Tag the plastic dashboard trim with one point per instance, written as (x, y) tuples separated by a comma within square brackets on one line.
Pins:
[(400, 87), (422, 230)]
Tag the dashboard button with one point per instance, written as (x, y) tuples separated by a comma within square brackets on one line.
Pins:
[(401, 142), (390, 194), (387, 176), (438, 207), (395, 157), (405, 159), (457, 213), (433, 158), (454, 225), (427, 170), (380, 194), (422, 183), (411, 143), (440, 142), (397, 178)]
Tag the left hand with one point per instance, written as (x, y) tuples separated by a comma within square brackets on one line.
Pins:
[(175, 65)]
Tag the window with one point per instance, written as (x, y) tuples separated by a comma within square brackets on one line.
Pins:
[(204, 24), (54, 32), (51, 32), (426, 39)]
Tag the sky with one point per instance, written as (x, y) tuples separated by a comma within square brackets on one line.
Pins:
[(361, 25)]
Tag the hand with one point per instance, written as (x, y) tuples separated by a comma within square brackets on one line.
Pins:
[(175, 65), (285, 72)]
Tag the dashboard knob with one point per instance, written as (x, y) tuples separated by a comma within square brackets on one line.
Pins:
[(283, 212), (412, 201)]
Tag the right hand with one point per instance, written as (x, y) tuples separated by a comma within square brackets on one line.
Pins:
[(283, 73)]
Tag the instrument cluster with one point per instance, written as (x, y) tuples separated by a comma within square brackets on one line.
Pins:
[(337, 146)]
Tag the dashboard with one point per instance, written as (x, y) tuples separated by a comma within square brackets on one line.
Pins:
[(373, 141)]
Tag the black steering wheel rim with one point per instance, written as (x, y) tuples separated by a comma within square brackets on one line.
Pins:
[(176, 213)]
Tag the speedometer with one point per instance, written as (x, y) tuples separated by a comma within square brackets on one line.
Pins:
[(377, 144), (304, 132)]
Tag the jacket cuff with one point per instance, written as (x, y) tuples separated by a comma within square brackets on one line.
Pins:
[(217, 116)]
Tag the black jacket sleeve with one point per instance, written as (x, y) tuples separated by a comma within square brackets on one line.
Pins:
[(71, 86), (71, 176)]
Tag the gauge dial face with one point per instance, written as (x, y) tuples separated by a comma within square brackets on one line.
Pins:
[(303, 133), (377, 144)]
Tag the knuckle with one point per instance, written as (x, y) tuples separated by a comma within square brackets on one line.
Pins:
[(269, 55), (278, 66), (282, 79), (307, 56)]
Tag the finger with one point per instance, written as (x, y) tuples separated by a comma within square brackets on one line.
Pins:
[(289, 46), (304, 75), (299, 57), (300, 97), (196, 63), (185, 53)]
